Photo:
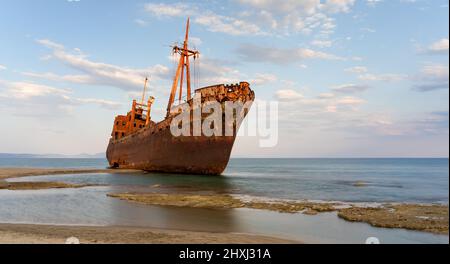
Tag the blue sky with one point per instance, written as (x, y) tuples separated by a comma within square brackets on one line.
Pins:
[(364, 78)]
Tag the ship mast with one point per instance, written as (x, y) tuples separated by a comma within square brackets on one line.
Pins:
[(143, 92), (183, 65)]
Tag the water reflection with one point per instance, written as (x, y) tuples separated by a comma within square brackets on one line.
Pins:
[(195, 219)]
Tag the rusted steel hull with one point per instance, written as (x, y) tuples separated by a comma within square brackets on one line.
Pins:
[(154, 148), (163, 152)]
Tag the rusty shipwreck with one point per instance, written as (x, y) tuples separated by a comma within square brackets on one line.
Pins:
[(137, 142)]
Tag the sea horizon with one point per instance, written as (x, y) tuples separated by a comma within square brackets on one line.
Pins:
[(94, 156)]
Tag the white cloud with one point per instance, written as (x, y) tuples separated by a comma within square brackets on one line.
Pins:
[(36, 97), (364, 74), (324, 112), (432, 77), (83, 79), (101, 102), (214, 71), (322, 43), (382, 77), (141, 22), (312, 54), (263, 78), (255, 53), (350, 100), (2, 68), (307, 16), (304, 7), (369, 30), (357, 69), (329, 120), (210, 71), (435, 72), (350, 88), (288, 95), (98, 73), (339, 6), (229, 25), (195, 41), (50, 44), (375, 2), (212, 21), (326, 95), (263, 17), (26, 90), (161, 10), (440, 46)]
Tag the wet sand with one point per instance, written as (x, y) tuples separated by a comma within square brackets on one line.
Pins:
[(6, 173), (53, 234), (16, 186)]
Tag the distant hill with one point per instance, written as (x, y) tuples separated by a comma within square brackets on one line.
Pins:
[(30, 156)]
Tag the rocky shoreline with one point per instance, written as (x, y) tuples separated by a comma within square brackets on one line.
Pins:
[(429, 218)]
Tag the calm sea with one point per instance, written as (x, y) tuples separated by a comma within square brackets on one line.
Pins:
[(394, 180), (355, 180)]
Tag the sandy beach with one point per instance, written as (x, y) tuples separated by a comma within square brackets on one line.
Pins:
[(53, 234), (6, 173)]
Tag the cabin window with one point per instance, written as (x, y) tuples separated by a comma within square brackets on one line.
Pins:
[(123, 123), (117, 123), (116, 135), (123, 134), (134, 124)]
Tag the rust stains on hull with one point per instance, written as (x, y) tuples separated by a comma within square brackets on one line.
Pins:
[(154, 148), (165, 153)]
